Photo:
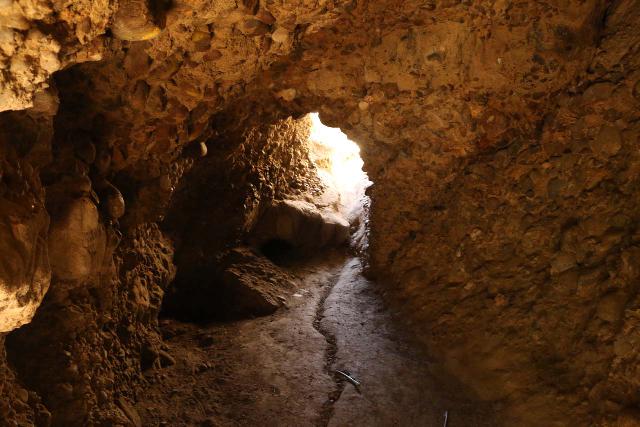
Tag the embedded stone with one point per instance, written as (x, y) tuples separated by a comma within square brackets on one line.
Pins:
[(287, 94), (265, 16), (280, 35), (201, 40), (253, 27), (203, 149), (134, 21), (212, 55), (562, 262), (611, 307), (608, 142), (76, 241), (114, 202)]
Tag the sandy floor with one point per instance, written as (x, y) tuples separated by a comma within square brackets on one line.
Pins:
[(280, 370)]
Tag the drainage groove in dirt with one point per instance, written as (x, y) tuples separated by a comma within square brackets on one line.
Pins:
[(330, 354)]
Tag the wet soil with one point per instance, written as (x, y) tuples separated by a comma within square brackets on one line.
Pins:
[(280, 370)]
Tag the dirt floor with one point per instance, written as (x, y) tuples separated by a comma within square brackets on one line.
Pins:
[(280, 370)]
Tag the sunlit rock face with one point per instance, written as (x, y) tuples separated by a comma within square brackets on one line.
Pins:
[(323, 217), (500, 136)]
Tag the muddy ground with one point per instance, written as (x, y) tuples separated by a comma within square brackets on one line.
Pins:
[(280, 370)]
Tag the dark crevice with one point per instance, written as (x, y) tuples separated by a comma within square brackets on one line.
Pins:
[(278, 251)]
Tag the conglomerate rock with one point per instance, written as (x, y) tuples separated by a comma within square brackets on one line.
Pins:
[(94, 335), (218, 206), (501, 137), (38, 38)]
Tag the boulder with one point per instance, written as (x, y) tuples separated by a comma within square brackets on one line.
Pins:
[(302, 225), (254, 285), (77, 241)]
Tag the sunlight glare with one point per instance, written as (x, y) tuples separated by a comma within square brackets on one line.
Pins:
[(340, 165)]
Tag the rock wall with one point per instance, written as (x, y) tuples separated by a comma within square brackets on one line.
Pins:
[(529, 286), (25, 274), (24, 221), (518, 268), (93, 337), (493, 139), (38, 38), (19, 406)]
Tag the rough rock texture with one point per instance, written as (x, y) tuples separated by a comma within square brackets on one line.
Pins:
[(24, 269), (220, 200), (19, 406), (90, 340), (500, 136), (38, 38), (517, 263), (25, 274)]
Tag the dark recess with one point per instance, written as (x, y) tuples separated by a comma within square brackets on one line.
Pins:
[(278, 251)]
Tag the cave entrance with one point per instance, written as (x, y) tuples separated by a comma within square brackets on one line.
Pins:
[(340, 167)]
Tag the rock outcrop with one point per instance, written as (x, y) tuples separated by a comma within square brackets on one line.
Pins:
[(300, 224)]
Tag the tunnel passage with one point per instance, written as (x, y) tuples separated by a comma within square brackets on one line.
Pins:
[(308, 210), (305, 208), (323, 219)]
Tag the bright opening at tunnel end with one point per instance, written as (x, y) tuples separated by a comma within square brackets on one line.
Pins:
[(339, 164), (341, 169)]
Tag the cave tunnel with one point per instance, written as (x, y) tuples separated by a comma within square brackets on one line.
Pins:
[(321, 202), (188, 236)]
